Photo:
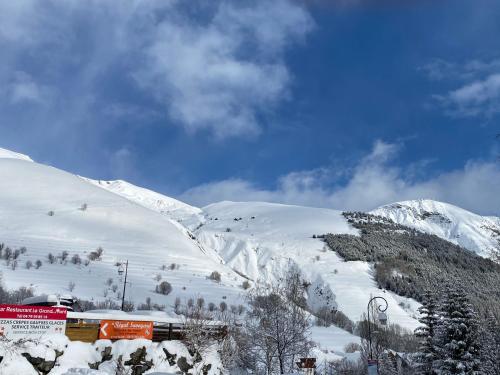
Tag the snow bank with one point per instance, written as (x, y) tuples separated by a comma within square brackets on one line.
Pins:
[(56, 355)]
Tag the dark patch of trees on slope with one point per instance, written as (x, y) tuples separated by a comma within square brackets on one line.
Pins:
[(408, 262)]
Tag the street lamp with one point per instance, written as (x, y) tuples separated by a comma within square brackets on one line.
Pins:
[(121, 270), (382, 318)]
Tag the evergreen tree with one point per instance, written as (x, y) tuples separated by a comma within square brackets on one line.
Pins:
[(427, 334), (458, 336), (490, 347), (387, 364)]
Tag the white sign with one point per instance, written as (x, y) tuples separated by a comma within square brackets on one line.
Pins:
[(31, 322)]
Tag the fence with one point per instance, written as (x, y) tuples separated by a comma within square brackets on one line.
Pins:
[(85, 326)]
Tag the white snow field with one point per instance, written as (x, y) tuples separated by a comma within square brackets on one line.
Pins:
[(480, 234)]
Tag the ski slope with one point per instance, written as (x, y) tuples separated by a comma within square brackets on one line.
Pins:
[(480, 234)]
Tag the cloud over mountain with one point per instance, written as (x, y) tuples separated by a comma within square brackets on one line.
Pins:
[(373, 181)]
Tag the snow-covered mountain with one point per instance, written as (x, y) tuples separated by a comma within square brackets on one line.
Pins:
[(480, 234), (47, 210)]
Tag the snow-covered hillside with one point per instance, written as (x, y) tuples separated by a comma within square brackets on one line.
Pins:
[(477, 233), (171, 207), (47, 211), (261, 240)]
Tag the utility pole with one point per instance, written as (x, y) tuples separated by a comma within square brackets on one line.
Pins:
[(120, 272)]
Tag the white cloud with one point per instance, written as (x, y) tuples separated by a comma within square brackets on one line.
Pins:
[(478, 98), (217, 66), (220, 74), (23, 88), (372, 183), (478, 93)]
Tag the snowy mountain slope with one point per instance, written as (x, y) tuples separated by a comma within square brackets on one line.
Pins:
[(261, 240), (474, 232), (48, 210), (171, 207), (43, 209), (7, 154)]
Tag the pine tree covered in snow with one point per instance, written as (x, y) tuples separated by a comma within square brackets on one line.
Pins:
[(427, 334), (459, 351), (490, 347), (387, 364)]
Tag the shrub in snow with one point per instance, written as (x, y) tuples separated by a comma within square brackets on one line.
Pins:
[(50, 213), (51, 258), (96, 255), (164, 288), (38, 263), (223, 306), (75, 259), (352, 347), (71, 286), (245, 285), (29, 264), (200, 303), (7, 253), (177, 305), (128, 306), (215, 276)]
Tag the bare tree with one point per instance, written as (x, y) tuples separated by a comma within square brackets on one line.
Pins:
[(277, 326), (196, 334)]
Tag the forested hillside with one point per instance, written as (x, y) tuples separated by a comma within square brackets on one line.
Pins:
[(408, 261)]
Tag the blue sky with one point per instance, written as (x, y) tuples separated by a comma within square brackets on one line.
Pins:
[(341, 104)]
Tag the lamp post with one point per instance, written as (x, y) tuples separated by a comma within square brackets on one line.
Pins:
[(122, 269), (382, 318)]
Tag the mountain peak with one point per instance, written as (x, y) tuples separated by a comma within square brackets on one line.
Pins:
[(7, 154), (457, 225), (163, 204)]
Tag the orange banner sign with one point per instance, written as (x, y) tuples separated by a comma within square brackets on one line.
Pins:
[(125, 329)]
